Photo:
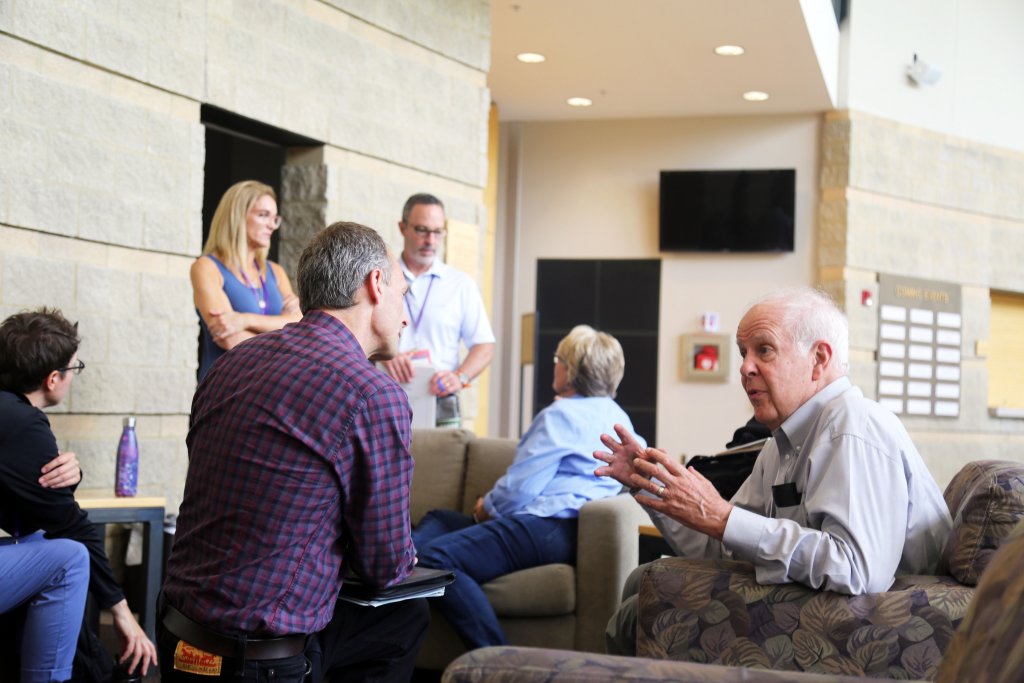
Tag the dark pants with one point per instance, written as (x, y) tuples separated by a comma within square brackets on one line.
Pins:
[(478, 553), (359, 644)]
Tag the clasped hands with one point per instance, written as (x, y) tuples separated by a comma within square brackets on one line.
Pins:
[(679, 492)]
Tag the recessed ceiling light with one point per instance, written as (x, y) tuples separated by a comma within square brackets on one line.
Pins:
[(755, 96), (579, 101), (729, 50), (530, 57)]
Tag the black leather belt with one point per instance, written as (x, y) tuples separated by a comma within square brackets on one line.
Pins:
[(228, 646)]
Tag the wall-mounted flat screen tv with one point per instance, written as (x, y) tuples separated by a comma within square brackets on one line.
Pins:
[(740, 211)]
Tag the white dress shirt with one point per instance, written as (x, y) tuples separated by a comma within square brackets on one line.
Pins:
[(444, 307)]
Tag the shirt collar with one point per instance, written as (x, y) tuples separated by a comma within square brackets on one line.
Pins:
[(437, 269), (798, 425), (331, 325)]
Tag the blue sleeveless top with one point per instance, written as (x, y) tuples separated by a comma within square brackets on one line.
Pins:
[(243, 300)]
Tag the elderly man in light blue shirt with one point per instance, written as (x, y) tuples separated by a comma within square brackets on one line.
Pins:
[(839, 499)]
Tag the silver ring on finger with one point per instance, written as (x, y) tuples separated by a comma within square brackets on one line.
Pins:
[(660, 491)]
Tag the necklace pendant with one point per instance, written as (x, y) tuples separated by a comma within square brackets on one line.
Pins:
[(263, 304)]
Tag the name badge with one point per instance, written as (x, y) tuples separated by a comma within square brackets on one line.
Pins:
[(786, 495)]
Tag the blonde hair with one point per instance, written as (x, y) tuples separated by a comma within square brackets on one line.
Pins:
[(228, 239), (594, 362)]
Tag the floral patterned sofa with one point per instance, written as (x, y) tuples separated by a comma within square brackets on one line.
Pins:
[(695, 614)]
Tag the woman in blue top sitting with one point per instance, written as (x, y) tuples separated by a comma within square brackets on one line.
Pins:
[(239, 293), (530, 516)]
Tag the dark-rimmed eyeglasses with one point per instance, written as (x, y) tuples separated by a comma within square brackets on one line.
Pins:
[(424, 231), (76, 368)]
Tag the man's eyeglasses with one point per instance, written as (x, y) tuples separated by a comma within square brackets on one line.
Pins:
[(77, 368), (424, 231)]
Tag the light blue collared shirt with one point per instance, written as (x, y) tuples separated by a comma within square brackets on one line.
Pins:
[(553, 471), (869, 508)]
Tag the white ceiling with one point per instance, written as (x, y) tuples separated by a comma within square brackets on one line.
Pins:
[(655, 58)]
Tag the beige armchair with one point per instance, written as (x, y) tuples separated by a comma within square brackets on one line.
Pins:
[(554, 605)]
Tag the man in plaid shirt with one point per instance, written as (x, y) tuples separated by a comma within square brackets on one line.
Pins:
[(299, 469)]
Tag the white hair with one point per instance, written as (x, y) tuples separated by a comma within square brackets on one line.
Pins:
[(810, 315)]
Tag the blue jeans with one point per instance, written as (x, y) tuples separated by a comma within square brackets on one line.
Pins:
[(50, 577), (478, 553)]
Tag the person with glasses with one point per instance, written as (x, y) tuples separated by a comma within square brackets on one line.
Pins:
[(530, 517), (238, 292), (445, 312), (38, 363)]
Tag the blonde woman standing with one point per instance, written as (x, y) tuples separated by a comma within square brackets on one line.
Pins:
[(238, 293)]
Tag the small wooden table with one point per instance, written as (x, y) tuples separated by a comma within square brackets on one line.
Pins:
[(149, 510)]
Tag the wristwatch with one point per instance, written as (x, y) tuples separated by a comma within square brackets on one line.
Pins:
[(464, 378)]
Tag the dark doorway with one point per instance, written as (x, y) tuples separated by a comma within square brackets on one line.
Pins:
[(240, 148), (618, 296)]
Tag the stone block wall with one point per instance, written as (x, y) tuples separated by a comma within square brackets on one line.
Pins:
[(907, 201), (102, 154)]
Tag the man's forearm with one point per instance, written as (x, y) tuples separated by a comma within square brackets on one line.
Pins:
[(476, 361)]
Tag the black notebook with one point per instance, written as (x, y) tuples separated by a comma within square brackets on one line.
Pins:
[(421, 583)]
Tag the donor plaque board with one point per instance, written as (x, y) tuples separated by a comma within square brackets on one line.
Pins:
[(919, 342)]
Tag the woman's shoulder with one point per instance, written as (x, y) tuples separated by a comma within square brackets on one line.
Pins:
[(207, 262), (207, 266)]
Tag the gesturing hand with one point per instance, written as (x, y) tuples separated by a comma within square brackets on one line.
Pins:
[(620, 460), (683, 494)]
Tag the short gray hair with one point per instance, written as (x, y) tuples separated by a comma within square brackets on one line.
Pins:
[(335, 263), (416, 200), (593, 360), (810, 315)]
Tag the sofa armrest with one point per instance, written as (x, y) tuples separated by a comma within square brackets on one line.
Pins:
[(715, 612), (440, 469), (536, 665), (607, 551), (487, 459)]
